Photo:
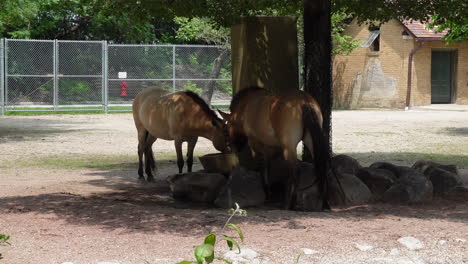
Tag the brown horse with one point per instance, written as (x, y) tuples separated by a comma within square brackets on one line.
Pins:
[(266, 121), (182, 117)]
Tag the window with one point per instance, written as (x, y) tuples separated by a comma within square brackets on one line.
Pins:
[(373, 41)]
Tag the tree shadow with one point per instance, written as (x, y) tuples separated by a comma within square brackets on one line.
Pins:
[(30, 129), (456, 131), (136, 207)]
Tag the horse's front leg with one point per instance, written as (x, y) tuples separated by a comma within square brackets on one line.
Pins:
[(191, 142), (180, 158), (260, 152)]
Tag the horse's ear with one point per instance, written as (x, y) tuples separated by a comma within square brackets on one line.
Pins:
[(224, 115)]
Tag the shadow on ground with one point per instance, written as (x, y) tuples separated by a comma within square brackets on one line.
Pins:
[(20, 129), (456, 131), (149, 207)]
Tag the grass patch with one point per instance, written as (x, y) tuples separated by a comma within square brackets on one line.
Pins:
[(409, 158), (114, 162), (375, 134)]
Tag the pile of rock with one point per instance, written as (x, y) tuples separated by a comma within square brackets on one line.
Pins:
[(349, 184)]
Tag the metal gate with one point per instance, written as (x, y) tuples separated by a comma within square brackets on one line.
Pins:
[(29, 73), (80, 74), (64, 75)]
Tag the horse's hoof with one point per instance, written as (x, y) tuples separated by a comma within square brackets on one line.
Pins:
[(150, 180), (141, 180)]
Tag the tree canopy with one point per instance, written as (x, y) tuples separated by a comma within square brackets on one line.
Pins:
[(149, 21)]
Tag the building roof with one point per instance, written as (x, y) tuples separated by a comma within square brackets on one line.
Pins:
[(420, 31)]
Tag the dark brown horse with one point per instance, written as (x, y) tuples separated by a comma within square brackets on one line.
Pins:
[(267, 121), (182, 117)]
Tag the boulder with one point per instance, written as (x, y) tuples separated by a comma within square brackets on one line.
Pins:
[(308, 197), (196, 186), (356, 192), (244, 187), (457, 193), (423, 165), (385, 166), (377, 180), (345, 164), (442, 180), (411, 186)]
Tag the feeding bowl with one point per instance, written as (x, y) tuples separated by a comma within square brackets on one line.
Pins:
[(219, 162)]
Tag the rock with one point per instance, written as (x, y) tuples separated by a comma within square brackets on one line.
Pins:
[(442, 180), (377, 180), (196, 186), (457, 193), (385, 166), (308, 251), (363, 246), (423, 165), (442, 242), (411, 243), (345, 164), (308, 194), (245, 256), (355, 190), (244, 187), (394, 252), (411, 186)]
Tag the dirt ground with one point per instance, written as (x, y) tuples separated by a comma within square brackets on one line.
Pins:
[(69, 194)]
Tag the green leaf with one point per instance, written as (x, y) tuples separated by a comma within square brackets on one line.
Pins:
[(225, 260), (204, 251), (210, 239), (299, 257), (230, 241), (241, 236), (185, 262)]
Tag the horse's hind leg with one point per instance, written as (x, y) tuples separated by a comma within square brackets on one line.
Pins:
[(180, 158), (291, 157), (150, 164), (142, 137), (191, 142)]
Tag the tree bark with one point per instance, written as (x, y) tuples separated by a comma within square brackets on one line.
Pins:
[(317, 59), (207, 93)]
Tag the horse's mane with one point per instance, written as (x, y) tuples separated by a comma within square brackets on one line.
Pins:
[(243, 93), (204, 106)]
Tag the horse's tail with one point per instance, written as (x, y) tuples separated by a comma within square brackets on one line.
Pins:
[(321, 149)]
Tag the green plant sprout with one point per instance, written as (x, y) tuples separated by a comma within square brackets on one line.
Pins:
[(204, 253), (4, 242)]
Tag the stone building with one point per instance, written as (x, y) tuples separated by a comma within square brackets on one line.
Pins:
[(400, 65)]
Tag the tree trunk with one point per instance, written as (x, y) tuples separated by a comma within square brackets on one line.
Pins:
[(207, 93), (317, 58)]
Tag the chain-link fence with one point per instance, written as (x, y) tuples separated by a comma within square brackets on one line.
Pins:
[(48, 75)]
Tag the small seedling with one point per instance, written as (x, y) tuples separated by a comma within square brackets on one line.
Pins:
[(205, 253), (4, 242)]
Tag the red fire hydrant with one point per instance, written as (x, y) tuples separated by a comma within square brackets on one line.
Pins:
[(123, 89)]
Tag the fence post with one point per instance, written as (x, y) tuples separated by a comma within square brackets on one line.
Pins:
[(2, 77), (173, 68), (55, 82), (5, 87), (105, 90)]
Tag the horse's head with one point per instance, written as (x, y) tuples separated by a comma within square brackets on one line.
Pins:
[(236, 140), (220, 136)]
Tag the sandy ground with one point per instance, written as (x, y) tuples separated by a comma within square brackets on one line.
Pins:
[(57, 209)]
